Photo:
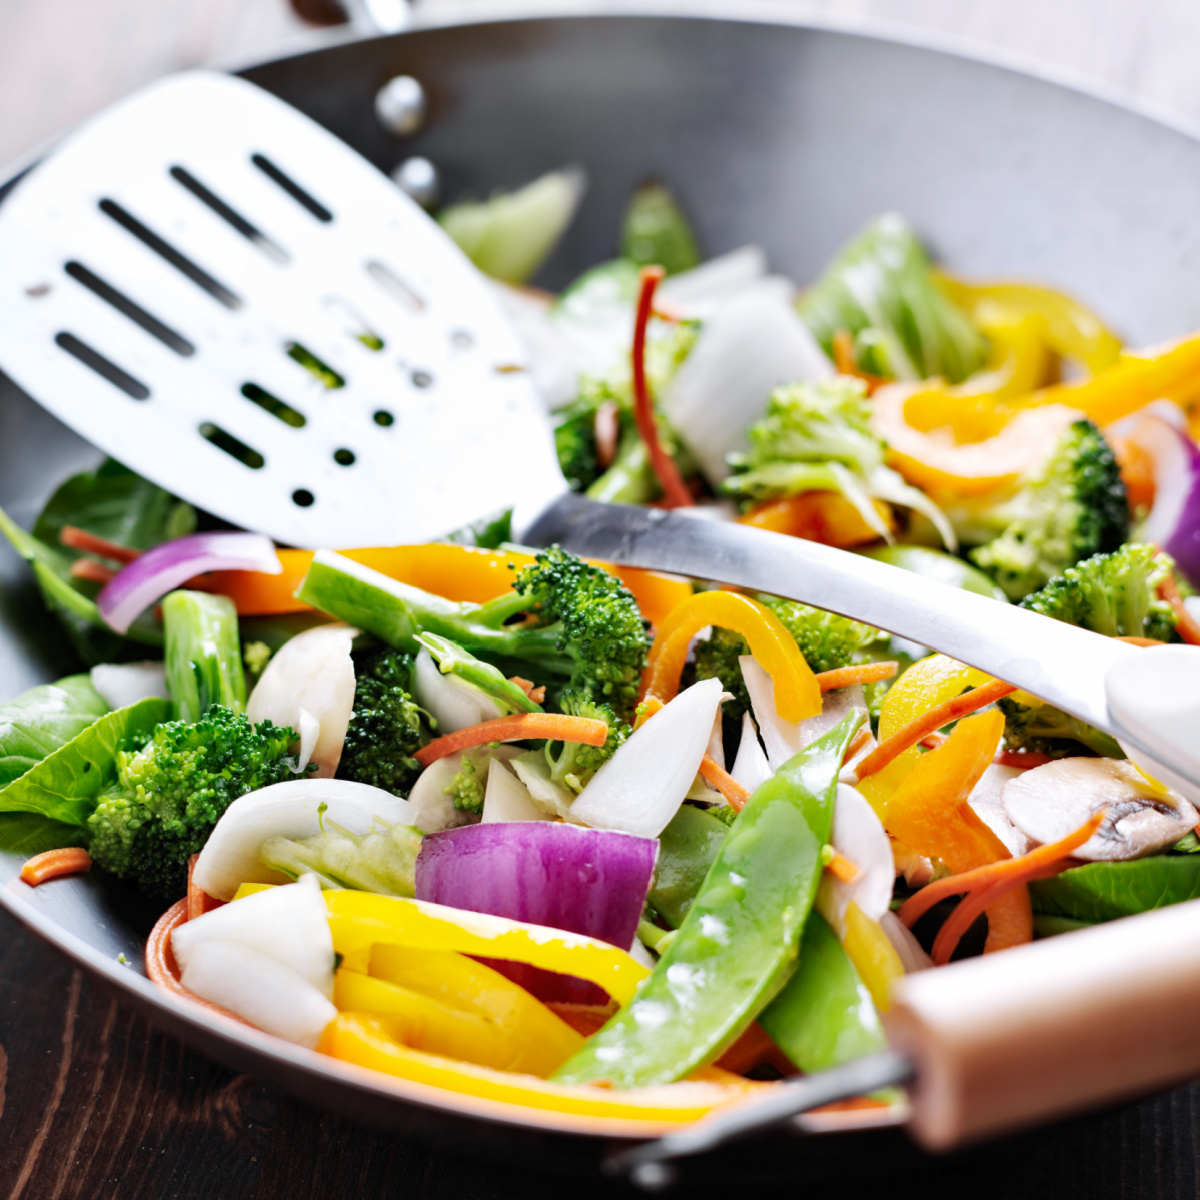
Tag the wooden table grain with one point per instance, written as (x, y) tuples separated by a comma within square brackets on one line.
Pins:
[(95, 1103)]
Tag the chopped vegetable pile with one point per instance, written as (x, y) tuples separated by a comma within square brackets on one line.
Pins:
[(604, 842)]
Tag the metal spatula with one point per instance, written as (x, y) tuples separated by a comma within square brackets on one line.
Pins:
[(222, 295)]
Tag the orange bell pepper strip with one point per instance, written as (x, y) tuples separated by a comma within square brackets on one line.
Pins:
[(375, 1043), (826, 517), (460, 573), (797, 693), (929, 813)]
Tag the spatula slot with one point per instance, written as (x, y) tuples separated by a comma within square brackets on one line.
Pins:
[(352, 323), (303, 498), (421, 379), (394, 286), (138, 315), (293, 189), (314, 366), (344, 458), (164, 249), (102, 366), (272, 404), (229, 215), (384, 418), (234, 448)]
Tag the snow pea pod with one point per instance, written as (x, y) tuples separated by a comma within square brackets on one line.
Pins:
[(739, 941), (687, 848), (824, 1015)]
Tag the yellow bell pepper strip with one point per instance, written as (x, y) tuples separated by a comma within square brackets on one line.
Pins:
[(873, 955), (929, 813), (362, 919), (1070, 329), (740, 939), (459, 573), (826, 517), (458, 980), (928, 683), (422, 1022), (372, 1042), (797, 694)]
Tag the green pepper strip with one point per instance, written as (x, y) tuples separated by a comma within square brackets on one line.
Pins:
[(739, 941)]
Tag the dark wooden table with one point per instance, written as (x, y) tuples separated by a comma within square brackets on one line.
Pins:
[(95, 1104)]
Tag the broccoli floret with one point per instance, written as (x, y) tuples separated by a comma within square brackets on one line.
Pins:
[(383, 860), (1049, 730), (573, 764), (826, 640), (1071, 506), (467, 788), (387, 726), (255, 657), (575, 443), (172, 788), (1114, 594)]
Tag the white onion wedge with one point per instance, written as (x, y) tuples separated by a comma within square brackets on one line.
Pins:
[(289, 924), (642, 786), (314, 672), (432, 810), (121, 684), (904, 942), (750, 768), (859, 836), (453, 703), (534, 772), (508, 799), (291, 810), (260, 990)]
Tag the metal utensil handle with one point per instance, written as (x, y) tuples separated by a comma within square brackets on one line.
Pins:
[(1063, 665)]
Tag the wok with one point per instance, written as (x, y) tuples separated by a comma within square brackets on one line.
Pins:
[(773, 131)]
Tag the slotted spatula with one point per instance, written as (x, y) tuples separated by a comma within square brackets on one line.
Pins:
[(225, 297)]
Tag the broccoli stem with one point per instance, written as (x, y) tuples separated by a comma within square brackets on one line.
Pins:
[(203, 654), (630, 479), (452, 659)]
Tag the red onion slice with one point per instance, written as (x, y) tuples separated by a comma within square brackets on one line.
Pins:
[(587, 881), (160, 570)]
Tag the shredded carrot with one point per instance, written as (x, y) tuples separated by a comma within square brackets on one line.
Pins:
[(559, 727), (54, 864), (983, 886), (162, 968), (931, 741), (536, 694), (716, 775), (874, 672), (930, 721), (1186, 625), (1023, 760), (675, 493), (1142, 641), (79, 539), (857, 742), (199, 901), (91, 570), (840, 867), (843, 360), (648, 708)]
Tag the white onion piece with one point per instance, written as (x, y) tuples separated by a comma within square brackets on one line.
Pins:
[(551, 362), (534, 772), (697, 291), (904, 942), (507, 798), (836, 706), (642, 786), (289, 924), (122, 684), (716, 739), (1050, 802), (453, 703), (749, 346), (750, 768), (291, 810), (641, 955), (260, 990), (432, 809), (309, 729), (987, 803), (859, 836), (313, 671), (780, 738)]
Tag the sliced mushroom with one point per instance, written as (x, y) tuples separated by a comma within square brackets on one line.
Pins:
[(988, 806), (1047, 803)]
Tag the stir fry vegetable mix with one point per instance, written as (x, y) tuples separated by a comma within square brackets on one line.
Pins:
[(514, 824)]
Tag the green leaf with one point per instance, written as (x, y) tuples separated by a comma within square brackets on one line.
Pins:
[(42, 719), (1106, 891), (656, 232), (31, 833), (63, 786)]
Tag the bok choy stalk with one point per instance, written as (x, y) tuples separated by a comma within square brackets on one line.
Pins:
[(203, 654)]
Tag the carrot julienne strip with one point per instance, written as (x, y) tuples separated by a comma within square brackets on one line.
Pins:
[(675, 493), (857, 742), (54, 864), (75, 538), (931, 741), (931, 721), (91, 570), (842, 677), (558, 727), (716, 775), (843, 360), (1185, 623), (840, 867), (199, 901), (1023, 760)]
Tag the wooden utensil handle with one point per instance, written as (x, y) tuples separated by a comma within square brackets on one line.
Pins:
[(1067, 1023)]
